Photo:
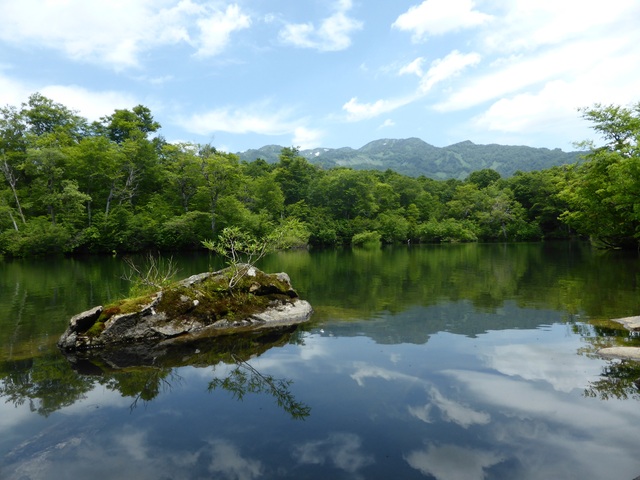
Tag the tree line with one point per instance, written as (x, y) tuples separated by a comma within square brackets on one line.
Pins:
[(116, 185)]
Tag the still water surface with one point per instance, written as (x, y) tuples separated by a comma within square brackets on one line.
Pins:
[(445, 362)]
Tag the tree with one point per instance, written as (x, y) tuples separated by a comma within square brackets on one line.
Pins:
[(183, 171), (243, 250), (129, 124), (220, 174), (294, 174), (539, 194), (603, 193), (44, 116), (346, 193), (483, 178)]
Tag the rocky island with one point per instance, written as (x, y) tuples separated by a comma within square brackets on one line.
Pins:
[(632, 324), (197, 307)]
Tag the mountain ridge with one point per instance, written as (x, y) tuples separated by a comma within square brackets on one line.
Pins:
[(414, 157)]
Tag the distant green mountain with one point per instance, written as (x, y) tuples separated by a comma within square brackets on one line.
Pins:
[(414, 157)]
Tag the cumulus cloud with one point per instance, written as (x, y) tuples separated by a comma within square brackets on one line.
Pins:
[(333, 33), (116, 33), (437, 17)]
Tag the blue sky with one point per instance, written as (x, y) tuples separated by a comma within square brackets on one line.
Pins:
[(329, 73)]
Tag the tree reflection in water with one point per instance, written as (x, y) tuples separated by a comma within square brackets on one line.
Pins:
[(51, 382), (619, 379), (246, 379)]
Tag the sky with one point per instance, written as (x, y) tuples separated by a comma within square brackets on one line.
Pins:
[(329, 73)]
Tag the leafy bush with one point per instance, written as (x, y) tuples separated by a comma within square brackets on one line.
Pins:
[(184, 232), (366, 239), (447, 230), (38, 237)]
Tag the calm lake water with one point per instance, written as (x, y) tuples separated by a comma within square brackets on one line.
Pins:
[(446, 362)]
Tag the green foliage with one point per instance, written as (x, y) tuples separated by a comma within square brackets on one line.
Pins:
[(447, 230), (67, 186), (483, 178), (184, 232), (38, 237), (366, 238), (603, 193), (393, 227), (243, 250)]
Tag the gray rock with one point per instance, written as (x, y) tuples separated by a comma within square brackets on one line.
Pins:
[(186, 311), (629, 353), (630, 323)]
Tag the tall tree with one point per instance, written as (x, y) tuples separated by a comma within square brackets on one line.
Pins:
[(603, 193), (294, 174), (220, 175)]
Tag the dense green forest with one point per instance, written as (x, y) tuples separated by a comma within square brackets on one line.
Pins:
[(116, 185)]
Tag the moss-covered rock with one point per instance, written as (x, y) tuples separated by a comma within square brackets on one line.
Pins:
[(199, 306)]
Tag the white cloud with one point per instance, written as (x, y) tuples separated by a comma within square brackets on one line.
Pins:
[(91, 105), (255, 118), (362, 111), (543, 60), (117, 32), (526, 25), (413, 68), (12, 92), (333, 34), (440, 70), (216, 30), (450, 66), (568, 61), (437, 17), (306, 138), (387, 123)]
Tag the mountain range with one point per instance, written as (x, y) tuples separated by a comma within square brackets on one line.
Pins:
[(415, 157)]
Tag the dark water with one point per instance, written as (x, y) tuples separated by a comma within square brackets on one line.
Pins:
[(446, 362)]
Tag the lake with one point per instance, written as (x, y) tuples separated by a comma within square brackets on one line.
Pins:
[(465, 361)]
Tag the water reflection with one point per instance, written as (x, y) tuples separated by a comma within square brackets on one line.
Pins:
[(246, 379), (461, 361), (141, 372)]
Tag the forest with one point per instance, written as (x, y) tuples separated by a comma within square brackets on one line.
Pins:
[(116, 185)]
